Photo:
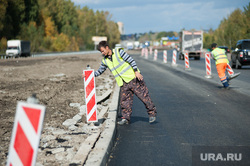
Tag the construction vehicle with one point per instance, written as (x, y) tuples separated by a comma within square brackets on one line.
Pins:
[(192, 43)]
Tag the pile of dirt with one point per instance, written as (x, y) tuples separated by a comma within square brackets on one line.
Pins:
[(57, 82)]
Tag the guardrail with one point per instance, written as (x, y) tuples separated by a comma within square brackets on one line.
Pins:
[(56, 53)]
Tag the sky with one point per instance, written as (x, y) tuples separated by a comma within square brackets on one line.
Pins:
[(140, 16)]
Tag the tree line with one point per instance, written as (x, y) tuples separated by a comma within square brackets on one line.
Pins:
[(54, 25), (231, 29)]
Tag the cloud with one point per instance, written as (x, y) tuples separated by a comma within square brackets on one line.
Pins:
[(173, 16), (165, 15)]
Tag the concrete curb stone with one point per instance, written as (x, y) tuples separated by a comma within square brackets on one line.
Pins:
[(100, 154)]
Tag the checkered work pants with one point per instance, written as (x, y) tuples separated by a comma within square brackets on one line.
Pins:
[(140, 89)]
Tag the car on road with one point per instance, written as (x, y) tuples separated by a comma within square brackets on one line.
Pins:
[(225, 48), (241, 55)]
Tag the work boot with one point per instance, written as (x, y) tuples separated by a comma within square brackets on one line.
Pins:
[(152, 119), (234, 76), (123, 121)]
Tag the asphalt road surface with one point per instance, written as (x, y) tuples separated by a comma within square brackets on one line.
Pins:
[(192, 111)]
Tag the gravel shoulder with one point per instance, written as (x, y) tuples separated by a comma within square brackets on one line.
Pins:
[(58, 84)]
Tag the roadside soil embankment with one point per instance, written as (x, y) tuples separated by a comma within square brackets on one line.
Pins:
[(58, 83)]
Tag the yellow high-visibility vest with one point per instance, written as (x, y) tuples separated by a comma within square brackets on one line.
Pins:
[(220, 56), (121, 69)]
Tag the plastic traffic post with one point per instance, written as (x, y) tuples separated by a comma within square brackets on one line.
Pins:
[(146, 53), (150, 50), (155, 54), (90, 95), (26, 134), (142, 51), (174, 58), (230, 70), (187, 66), (165, 57), (208, 66)]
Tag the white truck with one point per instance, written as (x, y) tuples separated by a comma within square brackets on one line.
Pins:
[(130, 46), (191, 42), (18, 48)]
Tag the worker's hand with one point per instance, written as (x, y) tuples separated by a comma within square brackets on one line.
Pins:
[(83, 75), (138, 76)]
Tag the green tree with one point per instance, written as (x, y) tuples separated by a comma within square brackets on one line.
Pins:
[(33, 33), (165, 34), (14, 17), (31, 11), (231, 29), (54, 25), (3, 45), (60, 43), (247, 20), (87, 27), (113, 33), (208, 38), (3, 6)]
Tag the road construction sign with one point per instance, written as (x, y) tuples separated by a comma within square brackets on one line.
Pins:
[(26, 134), (208, 66), (90, 95), (174, 58)]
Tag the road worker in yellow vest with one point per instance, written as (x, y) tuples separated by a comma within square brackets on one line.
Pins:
[(221, 62), (129, 78)]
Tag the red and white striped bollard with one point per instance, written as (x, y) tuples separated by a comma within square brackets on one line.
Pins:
[(142, 51), (230, 70), (165, 57), (146, 53), (155, 54), (150, 50), (208, 66), (187, 66), (174, 58), (26, 134), (90, 95)]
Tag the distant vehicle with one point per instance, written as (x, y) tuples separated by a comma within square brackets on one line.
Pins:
[(147, 43), (118, 46), (241, 55), (18, 48), (130, 46), (191, 42), (225, 48), (136, 44)]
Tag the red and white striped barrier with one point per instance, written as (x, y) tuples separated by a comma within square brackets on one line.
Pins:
[(146, 53), (90, 95), (208, 66), (26, 134), (187, 66), (230, 70), (155, 54), (142, 51), (165, 57), (174, 58)]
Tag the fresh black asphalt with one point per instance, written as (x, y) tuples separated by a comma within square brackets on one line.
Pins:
[(191, 112)]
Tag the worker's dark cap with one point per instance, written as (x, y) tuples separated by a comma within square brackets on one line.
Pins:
[(213, 45)]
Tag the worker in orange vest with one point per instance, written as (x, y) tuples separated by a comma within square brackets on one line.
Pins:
[(221, 62)]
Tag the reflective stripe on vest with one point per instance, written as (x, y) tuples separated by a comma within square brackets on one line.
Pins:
[(219, 56), (121, 69)]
